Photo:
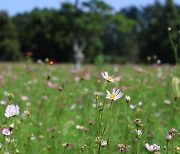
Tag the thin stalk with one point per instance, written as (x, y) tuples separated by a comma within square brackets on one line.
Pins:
[(167, 145), (173, 115), (174, 47), (107, 118), (172, 146), (126, 125), (137, 152), (100, 121), (104, 98)]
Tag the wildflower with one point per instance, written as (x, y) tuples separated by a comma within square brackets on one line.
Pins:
[(2, 102), (152, 148), (138, 122), (50, 85), (172, 132), (51, 62), (17, 151), (116, 94), (107, 77), (79, 127), (12, 110), (6, 131), (139, 133), (28, 104), (98, 139), (127, 98), (28, 53), (122, 147), (10, 96), (73, 106), (9, 140), (41, 136), (169, 137), (83, 147), (60, 88), (132, 106), (91, 122), (177, 149), (166, 101), (24, 98), (11, 126), (103, 143), (27, 112), (169, 28), (32, 137), (140, 103), (69, 145)]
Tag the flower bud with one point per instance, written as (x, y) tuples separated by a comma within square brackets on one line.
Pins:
[(10, 96), (128, 99)]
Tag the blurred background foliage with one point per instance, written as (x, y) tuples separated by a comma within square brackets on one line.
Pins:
[(129, 35)]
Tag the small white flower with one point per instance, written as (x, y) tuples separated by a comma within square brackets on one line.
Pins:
[(33, 138), (132, 106), (6, 131), (107, 77), (24, 98), (140, 103), (12, 110), (152, 148), (127, 98), (116, 94), (139, 133), (2, 102), (169, 28), (103, 143), (79, 127)]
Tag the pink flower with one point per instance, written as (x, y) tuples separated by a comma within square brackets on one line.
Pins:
[(169, 137), (166, 101), (6, 131)]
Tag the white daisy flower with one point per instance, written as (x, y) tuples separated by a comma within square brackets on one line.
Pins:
[(107, 77), (152, 148), (116, 94), (11, 110)]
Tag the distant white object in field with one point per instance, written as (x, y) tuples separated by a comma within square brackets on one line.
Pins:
[(78, 54)]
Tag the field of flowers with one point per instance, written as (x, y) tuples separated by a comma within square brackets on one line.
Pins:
[(110, 109)]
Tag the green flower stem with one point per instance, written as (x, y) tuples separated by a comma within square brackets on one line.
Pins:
[(126, 125), (174, 111), (107, 118), (167, 145), (100, 121)]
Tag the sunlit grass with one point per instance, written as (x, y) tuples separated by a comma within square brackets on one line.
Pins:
[(63, 112)]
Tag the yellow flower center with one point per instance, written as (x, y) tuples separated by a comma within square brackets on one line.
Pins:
[(112, 96), (109, 78)]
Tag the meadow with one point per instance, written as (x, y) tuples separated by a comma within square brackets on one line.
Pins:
[(65, 111)]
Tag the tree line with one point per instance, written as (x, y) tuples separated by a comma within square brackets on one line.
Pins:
[(131, 34)]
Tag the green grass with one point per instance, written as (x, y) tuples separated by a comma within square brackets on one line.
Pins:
[(51, 123)]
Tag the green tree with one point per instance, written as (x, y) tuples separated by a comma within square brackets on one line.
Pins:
[(9, 45), (153, 34)]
